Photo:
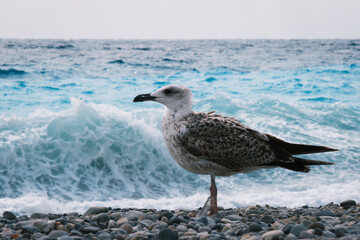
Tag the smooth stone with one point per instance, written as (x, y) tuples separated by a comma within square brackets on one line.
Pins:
[(102, 217), (122, 220), (267, 220), (165, 220), (288, 228), (167, 234), (39, 215), (306, 223), (328, 234), (226, 228), (340, 232), (174, 219), (105, 236), (127, 227), (305, 234), (347, 204), (134, 215), (254, 227), (30, 229), (204, 229), (317, 225), (325, 214), (297, 229), (70, 226), (318, 231), (233, 217), (96, 210), (90, 229), (113, 224), (204, 220), (75, 233), (44, 226), (64, 238), (146, 222), (181, 228), (272, 235), (54, 234), (9, 215)]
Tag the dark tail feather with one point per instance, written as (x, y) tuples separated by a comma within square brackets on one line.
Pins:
[(296, 149), (299, 164)]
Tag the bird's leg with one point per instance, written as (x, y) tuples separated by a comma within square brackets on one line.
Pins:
[(213, 196)]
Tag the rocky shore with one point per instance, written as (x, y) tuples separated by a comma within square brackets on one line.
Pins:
[(332, 221)]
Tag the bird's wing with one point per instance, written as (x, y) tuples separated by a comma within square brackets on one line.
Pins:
[(225, 141)]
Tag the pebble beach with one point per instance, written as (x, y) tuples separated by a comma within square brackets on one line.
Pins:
[(331, 221)]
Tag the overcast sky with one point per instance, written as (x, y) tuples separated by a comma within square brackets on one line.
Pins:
[(179, 19)]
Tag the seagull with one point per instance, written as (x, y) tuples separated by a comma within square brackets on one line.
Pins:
[(210, 144)]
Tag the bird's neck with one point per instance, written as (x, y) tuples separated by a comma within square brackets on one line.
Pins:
[(176, 114)]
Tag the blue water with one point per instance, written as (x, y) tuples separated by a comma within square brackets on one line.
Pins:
[(71, 137)]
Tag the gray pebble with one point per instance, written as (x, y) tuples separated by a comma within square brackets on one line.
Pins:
[(267, 219), (90, 229), (305, 234), (288, 228), (347, 204), (127, 227), (317, 225), (318, 231), (113, 224), (306, 223), (254, 227), (9, 215), (75, 233), (96, 210), (174, 219), (233, 217), (204, 229), (54, 234), (297, 229), (340, 232), (44, 225), (134, 215), (272, 235), (328, 234), (102, 217), (30, 229), (167, 234), (204, 220), (325, 214)]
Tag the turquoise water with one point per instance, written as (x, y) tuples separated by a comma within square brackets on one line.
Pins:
[(71, 137)]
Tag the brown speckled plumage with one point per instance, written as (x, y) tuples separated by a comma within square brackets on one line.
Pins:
[(207, 143)]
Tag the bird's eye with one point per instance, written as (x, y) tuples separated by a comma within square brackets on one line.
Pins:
[(167, 91)]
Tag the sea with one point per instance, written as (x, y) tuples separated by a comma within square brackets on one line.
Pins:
[(72, 138)]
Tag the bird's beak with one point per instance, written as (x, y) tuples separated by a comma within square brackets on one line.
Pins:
[(143, 98)]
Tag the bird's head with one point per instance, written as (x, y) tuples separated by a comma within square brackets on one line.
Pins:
[(174, 97)]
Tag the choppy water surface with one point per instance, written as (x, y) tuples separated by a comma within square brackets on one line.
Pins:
[(71, 137)]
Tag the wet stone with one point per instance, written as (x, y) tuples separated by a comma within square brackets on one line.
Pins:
[(254, 227), (297, 229), (203, 220), (317, 225), (90, 229), (96, 210), (167, 234), (272, 235), (267, 219), (9, 215), (347, 204), (54, 234)]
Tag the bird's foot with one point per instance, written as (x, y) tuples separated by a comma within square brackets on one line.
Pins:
[(205, 209)]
